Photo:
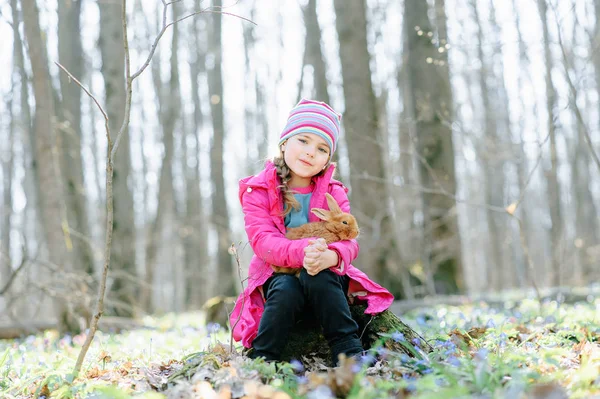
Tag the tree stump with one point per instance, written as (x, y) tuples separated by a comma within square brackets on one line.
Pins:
[(217, 309), (308, 339)]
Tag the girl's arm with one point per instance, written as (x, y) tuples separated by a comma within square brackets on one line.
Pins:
[(347, 250), (268, 243)]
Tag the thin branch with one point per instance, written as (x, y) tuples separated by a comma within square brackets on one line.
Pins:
[(111, 153), (573, 89), (166, 26), (129, 85), (109, 200), (90, 95), (531, 172), (234, 252), (12, 276), (525, 248)]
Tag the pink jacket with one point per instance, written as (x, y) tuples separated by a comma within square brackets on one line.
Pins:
[(262, 206)]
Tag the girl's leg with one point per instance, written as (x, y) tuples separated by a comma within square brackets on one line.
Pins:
[(284, 301), (326, 294)]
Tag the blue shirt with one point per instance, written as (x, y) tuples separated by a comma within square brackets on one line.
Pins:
[(299, 217)]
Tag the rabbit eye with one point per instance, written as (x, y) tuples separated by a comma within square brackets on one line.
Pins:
[(345, 222)]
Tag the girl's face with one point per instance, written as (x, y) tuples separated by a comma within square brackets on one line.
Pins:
[(306, 154)]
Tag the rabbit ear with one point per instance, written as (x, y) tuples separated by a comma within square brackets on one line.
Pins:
[(321, 213), (333, 205)]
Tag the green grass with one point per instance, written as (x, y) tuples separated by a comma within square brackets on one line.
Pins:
[(479, 351)]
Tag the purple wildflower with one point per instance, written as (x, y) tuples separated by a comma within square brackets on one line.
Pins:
[(452, 360), (297, 365), (481, 354), (398, 336)]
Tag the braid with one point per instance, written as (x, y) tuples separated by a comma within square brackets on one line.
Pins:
[(284, 172)]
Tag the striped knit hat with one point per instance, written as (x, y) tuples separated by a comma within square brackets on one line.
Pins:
[(315, 117)]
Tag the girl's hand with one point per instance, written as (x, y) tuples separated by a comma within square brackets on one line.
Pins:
[(318, 258), (318, 244)]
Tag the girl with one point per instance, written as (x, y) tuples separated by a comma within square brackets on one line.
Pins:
[(281, 197)]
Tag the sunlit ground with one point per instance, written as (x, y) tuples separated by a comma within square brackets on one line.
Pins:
[(480, 351)]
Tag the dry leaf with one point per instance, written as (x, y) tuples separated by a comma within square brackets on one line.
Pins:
[(251, 388), (548, 391), (459, 338), (523, 329), (104, 357), (281, 395), (477, 332), (45, 391), (511, 208), (265, 391), (96, 373), (225, 392), (204, 390)]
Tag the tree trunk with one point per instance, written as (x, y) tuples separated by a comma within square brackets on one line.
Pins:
[(31, 223), (225, 277), (595, 43), (429, 86), (522, 164), (587, 229), (96, 151), (195, 243), (31, 188), (493, 168), (252, 127), (367, 178), (504, 139), (551, 173), (122, 291), (313, 53), (407, 198), (168, 114), (47, 151), (69, 52), (7, 161)]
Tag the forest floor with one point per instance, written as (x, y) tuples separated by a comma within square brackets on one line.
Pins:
[(524, 349)]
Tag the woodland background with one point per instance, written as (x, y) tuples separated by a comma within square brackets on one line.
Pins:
[(471, 143)]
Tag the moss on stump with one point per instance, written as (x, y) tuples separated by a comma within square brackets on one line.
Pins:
[(307, 338)]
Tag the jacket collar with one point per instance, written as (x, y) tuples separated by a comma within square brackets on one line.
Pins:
[(269, 180)]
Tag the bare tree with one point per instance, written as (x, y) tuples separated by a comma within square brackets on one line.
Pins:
[(523, 79), (432, 110), (47, 154), (252, 127), (551, 172), (509, 273), (225, 276), (367, 178), (595, 44), (169, 111), (7, 161), (494, 179), (123, 243), (70, 54), (32, 190), (313, 55), (587, 229), (196, 227)]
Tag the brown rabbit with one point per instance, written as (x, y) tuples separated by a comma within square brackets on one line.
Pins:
[(336, 226)]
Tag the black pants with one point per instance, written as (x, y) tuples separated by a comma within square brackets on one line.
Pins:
[(322, 297)]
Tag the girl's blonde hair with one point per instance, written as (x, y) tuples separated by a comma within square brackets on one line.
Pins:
[(285, 174)]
